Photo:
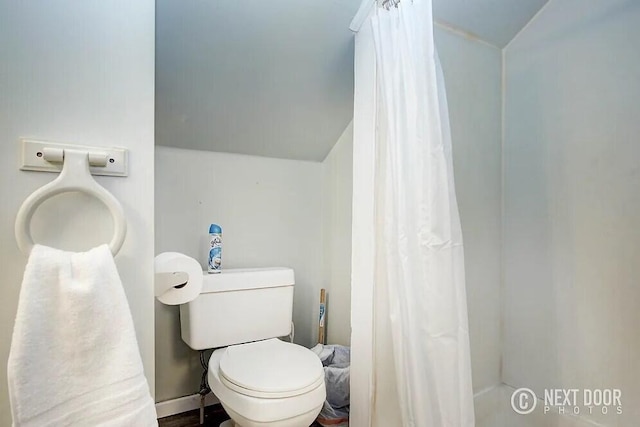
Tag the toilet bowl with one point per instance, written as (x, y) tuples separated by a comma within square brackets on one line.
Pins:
[(268, 383)]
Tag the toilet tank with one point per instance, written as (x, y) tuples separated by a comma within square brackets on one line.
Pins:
[(238, 306)]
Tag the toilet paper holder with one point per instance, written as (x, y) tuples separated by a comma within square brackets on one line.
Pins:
[(166, 281), (178, 278)]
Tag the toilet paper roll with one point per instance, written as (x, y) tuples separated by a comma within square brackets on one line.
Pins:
[(175, 269)]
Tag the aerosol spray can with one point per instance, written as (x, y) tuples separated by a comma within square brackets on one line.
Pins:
[(215, 249)]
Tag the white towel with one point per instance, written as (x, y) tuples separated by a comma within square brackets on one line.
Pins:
[(74, 358)]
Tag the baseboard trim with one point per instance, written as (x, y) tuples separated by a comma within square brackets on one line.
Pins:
[(183, 404)]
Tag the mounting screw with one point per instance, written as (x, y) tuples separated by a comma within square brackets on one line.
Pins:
[(112, 160), (39, 154)]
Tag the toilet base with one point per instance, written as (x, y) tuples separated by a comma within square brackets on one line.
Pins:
[(302, 420)]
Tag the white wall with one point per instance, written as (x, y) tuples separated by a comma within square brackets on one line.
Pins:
[(337, 182), (473, 72), (83, 72), (572, 202), (270, 211)]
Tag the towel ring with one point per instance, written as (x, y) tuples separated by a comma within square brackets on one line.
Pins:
[(75, 176)]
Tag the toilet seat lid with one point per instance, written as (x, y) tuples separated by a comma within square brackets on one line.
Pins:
[(271, 366)]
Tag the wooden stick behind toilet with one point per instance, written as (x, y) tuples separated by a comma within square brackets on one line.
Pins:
[(323, 312)]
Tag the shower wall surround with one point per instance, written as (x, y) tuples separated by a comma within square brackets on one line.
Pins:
[(571, 195), (473, 72), (337, 192)]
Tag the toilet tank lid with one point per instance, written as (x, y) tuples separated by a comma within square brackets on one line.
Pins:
[(235, 279)]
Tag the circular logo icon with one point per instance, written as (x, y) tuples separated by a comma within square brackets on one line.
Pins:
[(524, 401)]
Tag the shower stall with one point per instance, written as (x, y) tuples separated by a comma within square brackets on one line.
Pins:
[(544, 132)]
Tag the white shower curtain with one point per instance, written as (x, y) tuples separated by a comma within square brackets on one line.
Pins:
[(419, 301)]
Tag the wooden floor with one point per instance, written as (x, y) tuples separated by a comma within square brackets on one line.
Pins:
[(213, 416)]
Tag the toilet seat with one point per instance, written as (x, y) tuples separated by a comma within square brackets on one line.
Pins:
[(270, 411), (270, 369)]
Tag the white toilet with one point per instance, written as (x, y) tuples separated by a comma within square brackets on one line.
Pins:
[(260, 380)]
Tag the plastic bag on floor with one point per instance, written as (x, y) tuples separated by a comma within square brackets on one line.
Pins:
[(336, 360)]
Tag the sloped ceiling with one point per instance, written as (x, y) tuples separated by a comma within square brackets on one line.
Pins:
[(275, 78), (495, 21), (268, 78)]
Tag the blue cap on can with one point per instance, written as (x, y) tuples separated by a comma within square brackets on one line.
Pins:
[(215, 228)]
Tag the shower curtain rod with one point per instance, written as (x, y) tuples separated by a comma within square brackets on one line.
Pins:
[(361, 15), (365, 8), (367, 5)]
